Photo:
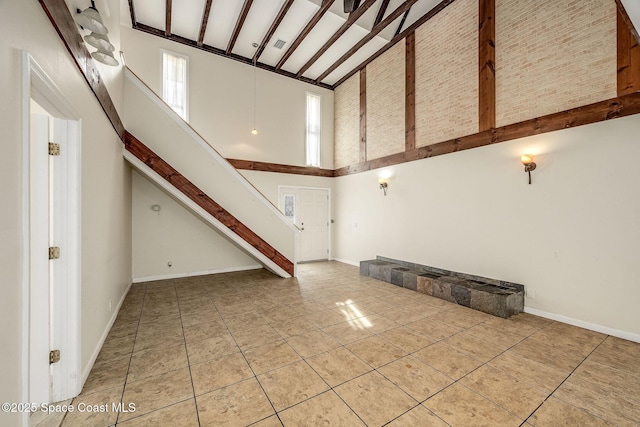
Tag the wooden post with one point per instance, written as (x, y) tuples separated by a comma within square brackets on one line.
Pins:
[(628, 55), (410, 93), (487, 59), (363, 114)]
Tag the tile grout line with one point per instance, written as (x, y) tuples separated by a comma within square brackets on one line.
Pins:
[(563, 381), (193, 389), (252, 371), (124, 386)]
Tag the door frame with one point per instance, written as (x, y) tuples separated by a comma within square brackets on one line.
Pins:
[(330, 228), (37, 85)]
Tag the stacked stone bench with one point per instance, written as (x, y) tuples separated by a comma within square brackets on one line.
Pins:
[(496, 297)]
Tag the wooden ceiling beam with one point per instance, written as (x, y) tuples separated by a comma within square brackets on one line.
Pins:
[(216, 51), (625, 17), (132, 12), (404, 18), (236, 31), (427, 16), (274, 26), (167, 21), (326, 4), (366, 39), (205, 21), (381, 12), (353, 17)]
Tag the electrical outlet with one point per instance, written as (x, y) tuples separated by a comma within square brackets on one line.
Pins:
[(110, 305), (530, 293)]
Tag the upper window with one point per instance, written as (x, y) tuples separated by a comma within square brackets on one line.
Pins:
[(175, 83), (313, 129)]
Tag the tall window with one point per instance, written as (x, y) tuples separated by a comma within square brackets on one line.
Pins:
[(313, 129), (175, 84)]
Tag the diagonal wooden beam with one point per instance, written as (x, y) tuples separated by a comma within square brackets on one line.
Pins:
[(326, 4), (430, 14), (274, 26), (353, 17), (167, 21), (205, 21), (189, 189), (356, 6), (381, 12), (404, 18), (366, 39), (236, 31), (132, 12)]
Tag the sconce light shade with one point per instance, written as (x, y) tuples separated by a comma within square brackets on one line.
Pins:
[(105, 57), (384, 184), (526, 159), (99, 41), (529, 165), (90, 19)]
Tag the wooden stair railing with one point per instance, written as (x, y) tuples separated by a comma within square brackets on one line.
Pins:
[(176, 179)]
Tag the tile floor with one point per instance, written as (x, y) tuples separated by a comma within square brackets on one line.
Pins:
[(335, 348)]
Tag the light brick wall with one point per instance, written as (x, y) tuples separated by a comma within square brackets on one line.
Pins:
[(386, 103), (553, 55), (447, 74), (347, 122)]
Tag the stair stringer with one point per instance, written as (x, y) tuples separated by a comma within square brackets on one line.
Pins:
[(197, 210)]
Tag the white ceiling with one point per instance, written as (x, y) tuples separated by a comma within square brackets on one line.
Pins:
[(186, 19)]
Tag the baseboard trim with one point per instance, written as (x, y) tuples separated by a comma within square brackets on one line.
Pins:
[(630, 336), (96, 351), (345, 261), (196, 273)]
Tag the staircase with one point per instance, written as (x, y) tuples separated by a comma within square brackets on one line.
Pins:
[(164, 148)]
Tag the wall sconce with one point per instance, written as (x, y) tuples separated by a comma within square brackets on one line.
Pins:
[(529, 165), (383, 184)]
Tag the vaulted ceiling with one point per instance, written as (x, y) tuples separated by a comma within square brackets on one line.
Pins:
[(311, 40)]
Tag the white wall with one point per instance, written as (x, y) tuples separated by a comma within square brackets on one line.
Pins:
[(175, 235), (572, 236), (221, 102), (106, 190)]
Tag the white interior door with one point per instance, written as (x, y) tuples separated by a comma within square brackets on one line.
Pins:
[(314, 223), (308, 208), (39, 300)]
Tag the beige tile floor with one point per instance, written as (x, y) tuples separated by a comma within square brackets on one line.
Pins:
[(334, 348)]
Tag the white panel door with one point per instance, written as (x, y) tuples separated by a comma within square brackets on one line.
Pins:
[(314, 223), (39, 301)]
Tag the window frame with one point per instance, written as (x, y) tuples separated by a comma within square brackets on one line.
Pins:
[(308, 161), (163, 80)]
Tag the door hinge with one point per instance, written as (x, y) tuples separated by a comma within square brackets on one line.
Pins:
[(54, 149), (54, 356), (54, 252)]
